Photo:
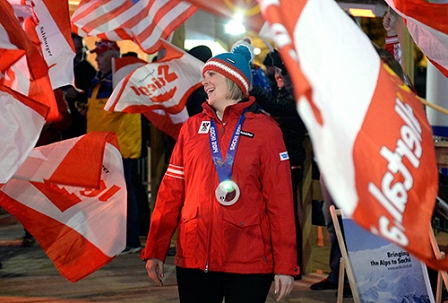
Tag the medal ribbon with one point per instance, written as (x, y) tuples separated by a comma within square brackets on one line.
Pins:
[(224, 168)]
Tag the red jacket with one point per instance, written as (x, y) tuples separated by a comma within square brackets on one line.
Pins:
[(254, 235)]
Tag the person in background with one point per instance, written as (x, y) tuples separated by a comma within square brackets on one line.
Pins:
[(84, 73), (126, 126), (52, 133), (282, 108), (195, 100), (269, 64), (259, 77), (235, 221)]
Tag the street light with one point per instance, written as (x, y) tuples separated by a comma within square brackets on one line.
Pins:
[(235, 26)]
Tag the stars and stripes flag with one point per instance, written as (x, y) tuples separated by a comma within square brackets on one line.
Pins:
[(71, 196), (143, 21), (26, 96), (47, 23), (370, 134), (159, 90), (427, 24)]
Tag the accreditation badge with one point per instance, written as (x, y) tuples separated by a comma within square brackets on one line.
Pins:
[(227, 193)]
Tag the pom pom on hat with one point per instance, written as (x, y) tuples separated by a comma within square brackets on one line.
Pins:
[(233, 65)]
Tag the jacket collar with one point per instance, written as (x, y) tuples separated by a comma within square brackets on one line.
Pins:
[(235, 109)]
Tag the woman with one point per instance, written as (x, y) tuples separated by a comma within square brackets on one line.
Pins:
[(227, 190)]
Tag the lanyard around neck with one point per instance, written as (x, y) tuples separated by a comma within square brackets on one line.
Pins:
[(224, 168)]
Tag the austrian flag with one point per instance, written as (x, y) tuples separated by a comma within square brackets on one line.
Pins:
[(159, 90), (370, 134), (71, 196)]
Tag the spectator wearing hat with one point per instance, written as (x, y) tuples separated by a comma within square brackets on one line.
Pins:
[(126, 126), (268, 63), (226, 193), (195, 100)]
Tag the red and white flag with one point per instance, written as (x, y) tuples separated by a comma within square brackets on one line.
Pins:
[(71, 196), (160, 90), (21, 121), (143, 21), (121, 67), (47, 23), (22, 71), (248, 10), (370, 134), (22, 67), (427, 24)]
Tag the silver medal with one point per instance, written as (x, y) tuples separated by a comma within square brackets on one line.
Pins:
[(227, 192)]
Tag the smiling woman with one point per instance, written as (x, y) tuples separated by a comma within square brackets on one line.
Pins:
[(233, 209)]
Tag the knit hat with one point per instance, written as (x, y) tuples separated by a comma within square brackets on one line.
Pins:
[(103, 46), (233, 65)]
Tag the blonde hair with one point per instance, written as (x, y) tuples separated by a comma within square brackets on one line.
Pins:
[(234, 92)]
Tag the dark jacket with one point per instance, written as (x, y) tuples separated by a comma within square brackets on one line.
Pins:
[(283, 109)]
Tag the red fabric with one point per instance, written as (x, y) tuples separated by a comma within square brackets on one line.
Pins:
[(257, 233), (71, 196), (162, 97), (389, 171), (38, 86), (426, 23), (72, 254), (143, 21)]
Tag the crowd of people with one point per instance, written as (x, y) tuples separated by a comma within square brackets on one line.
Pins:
[(231, 193)]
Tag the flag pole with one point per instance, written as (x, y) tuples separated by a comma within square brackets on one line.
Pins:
[(434, 106)]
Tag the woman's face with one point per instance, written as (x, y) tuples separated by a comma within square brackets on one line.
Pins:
[(215, 86)]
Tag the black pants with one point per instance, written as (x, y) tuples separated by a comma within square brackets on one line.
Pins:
[(196, 286)]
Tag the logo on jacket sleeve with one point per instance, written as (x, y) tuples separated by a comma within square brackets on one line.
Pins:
[(284, 156), (205, 127)]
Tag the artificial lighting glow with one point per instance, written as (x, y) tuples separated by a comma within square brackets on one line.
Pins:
[(238, 17), (234, 28), (364, 9), (257, 51), (357, 12)]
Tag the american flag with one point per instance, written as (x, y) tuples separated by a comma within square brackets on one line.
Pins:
[(143, 21)]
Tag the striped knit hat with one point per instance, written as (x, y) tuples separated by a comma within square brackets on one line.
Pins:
[(233, 65)]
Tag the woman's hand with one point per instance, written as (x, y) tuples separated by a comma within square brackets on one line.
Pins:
[(283, 285), (154, 267)]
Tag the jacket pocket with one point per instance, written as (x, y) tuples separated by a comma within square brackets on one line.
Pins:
[(243, 240), (188, 238)]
